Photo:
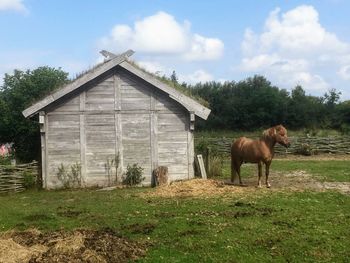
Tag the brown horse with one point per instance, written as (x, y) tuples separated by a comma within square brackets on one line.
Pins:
[(257, 151)]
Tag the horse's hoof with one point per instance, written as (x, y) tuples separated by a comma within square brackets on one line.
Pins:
[(258, 186), (268, 185)]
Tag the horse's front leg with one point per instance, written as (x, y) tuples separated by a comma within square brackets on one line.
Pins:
[(267, 171), (259, 173)]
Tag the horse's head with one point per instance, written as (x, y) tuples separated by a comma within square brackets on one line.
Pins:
[(279, 134)]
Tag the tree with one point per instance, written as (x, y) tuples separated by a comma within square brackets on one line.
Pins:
[(331, 98), (19, 91)]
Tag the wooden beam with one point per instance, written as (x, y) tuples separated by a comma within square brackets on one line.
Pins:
[(117, 92), (83, 150), (45, 164), (201, 166), (109, 55), (119, 142), (82, 99), (154, 133), (43, 147), (190, 154)]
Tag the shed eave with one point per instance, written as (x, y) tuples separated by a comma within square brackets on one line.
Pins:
[(107, 65), (190, 104)]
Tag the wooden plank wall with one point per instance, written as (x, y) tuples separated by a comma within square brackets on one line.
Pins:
[(123, 116), (63, 145)]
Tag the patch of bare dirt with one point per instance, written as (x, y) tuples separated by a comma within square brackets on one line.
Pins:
[(93, 246), (294, 181), (298, 181), (317, 157)]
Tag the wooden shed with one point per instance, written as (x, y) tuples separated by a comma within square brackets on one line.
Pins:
[(116, 111)]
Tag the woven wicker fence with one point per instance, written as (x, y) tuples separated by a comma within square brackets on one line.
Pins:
[(299, 145), (12, 178)]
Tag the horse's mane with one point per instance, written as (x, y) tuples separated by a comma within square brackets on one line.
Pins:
[(266, 133)]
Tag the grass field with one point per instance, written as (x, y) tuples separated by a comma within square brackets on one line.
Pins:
[(257, 225)]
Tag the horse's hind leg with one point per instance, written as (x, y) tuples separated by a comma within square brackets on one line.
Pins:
[(233, 170), (267, 171), (239, 173), (236, 170), (259, 173)]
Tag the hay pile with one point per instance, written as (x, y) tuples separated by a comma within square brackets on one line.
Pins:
[(92, 246), (193, 188)]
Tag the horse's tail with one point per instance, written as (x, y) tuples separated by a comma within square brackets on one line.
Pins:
[(233, 170)]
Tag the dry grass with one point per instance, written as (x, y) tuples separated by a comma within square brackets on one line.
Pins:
[(60, 246), (195, 188)]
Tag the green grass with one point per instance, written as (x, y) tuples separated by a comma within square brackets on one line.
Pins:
[(323, 170), (258, 226)]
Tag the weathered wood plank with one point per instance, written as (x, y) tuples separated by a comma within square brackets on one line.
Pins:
[(136, 141), (100, 144), (154, 134), (82, 100), (119, 141), (190, 154), (43, 130), (82, 149), (201, 166), (117, 93), (47, 173)]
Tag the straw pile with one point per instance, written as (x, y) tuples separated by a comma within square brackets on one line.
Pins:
[(195, 187), (94, 246)]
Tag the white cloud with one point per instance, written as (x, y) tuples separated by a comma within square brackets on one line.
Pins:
[(196, 77), (259, 62), (161, 34), (298, 31), (344, 72), (205, 48), (13, 5), (295, 49)]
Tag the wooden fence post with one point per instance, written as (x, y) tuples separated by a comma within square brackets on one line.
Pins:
[(207, 160)]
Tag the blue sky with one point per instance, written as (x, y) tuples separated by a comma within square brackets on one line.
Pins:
[(289, 42)]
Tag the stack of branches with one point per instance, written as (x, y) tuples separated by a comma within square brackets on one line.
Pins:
[(303, 145), (12, 177)]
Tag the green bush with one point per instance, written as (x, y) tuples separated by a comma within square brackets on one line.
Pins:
[(133, 175), (345, 129), (69, 176), (29, 180)]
